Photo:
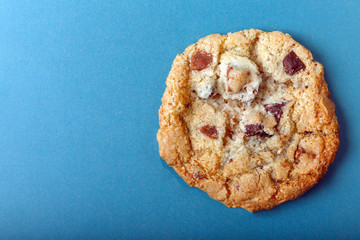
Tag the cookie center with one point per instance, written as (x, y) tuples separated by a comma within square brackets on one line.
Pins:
[(240, 114)]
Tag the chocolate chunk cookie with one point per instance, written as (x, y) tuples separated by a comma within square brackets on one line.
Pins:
[(247, 118)]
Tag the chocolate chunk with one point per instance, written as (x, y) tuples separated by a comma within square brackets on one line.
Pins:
[(199, 176), (200, 60), (229, 134), (298, 153), (292, 63), (275, 109), (255, 130), (209, 131)]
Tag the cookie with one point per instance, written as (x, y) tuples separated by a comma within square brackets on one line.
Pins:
[(247, 118)]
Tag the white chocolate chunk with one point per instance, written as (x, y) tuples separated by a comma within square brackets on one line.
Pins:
[(239, 77), (206, 87)]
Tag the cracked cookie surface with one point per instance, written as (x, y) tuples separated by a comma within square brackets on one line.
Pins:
[(247, 118)]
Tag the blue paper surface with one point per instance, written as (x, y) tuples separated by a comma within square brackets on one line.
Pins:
[(81, 83)]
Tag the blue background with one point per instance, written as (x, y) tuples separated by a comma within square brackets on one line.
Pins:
[(80, 89)]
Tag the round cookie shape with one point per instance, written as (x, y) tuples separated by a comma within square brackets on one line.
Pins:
[(247, 118)]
